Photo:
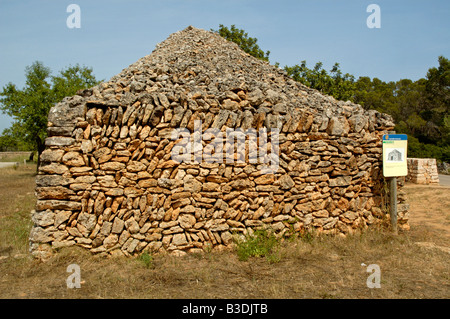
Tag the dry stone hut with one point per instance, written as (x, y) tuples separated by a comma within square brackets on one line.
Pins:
[(108, 181)]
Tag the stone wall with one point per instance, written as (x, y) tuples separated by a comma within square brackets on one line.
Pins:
[(422, 171), (4, 155), (108, 181)]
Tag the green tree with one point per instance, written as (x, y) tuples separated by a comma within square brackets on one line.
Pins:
[(436, 106), (437, 87), (343, 87), (335, 83), (374, 94), (10, 141), (29, 107), (316, 78), (241, 38), (446, 130), (72, 79)]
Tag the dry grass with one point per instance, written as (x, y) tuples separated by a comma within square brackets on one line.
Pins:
[(16, 202), (319, 267)]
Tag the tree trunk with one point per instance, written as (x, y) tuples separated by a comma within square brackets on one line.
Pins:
[(40, 148)]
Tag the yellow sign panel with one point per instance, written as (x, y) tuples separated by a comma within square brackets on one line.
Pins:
[(394, 155)]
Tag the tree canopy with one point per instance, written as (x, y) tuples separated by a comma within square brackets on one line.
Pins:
[(241, 38), (29, 106)]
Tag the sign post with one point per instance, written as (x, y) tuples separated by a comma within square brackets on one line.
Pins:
[(395, 148), (393, 203)]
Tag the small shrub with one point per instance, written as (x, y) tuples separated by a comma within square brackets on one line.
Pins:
[(261, 244), (146, 259)]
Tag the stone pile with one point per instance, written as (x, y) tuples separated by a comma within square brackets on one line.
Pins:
[(107, 180), (422, 171)]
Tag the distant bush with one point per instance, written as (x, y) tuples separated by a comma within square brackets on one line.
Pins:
[(422, 150)]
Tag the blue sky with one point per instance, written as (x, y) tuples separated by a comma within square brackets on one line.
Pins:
[(115, 33)]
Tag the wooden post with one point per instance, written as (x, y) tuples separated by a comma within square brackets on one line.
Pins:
[(393, 203)]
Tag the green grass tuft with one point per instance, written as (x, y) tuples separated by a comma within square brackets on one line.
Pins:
[(146, 259), (261, 244)]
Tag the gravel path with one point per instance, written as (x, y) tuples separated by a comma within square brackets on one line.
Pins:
[(444, 180)]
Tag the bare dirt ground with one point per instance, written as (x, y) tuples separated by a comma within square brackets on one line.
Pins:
[(414, 263), (428, 207), (430, 211)]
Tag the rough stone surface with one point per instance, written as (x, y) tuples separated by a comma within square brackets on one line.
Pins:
[(108, 181), (422, 171)]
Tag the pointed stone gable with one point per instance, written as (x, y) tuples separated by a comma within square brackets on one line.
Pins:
[(109, 181)]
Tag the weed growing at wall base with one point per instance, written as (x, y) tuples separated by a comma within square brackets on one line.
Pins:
[(146, 259), (262, 243)]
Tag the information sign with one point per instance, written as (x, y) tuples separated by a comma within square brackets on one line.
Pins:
[(394, 155)]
